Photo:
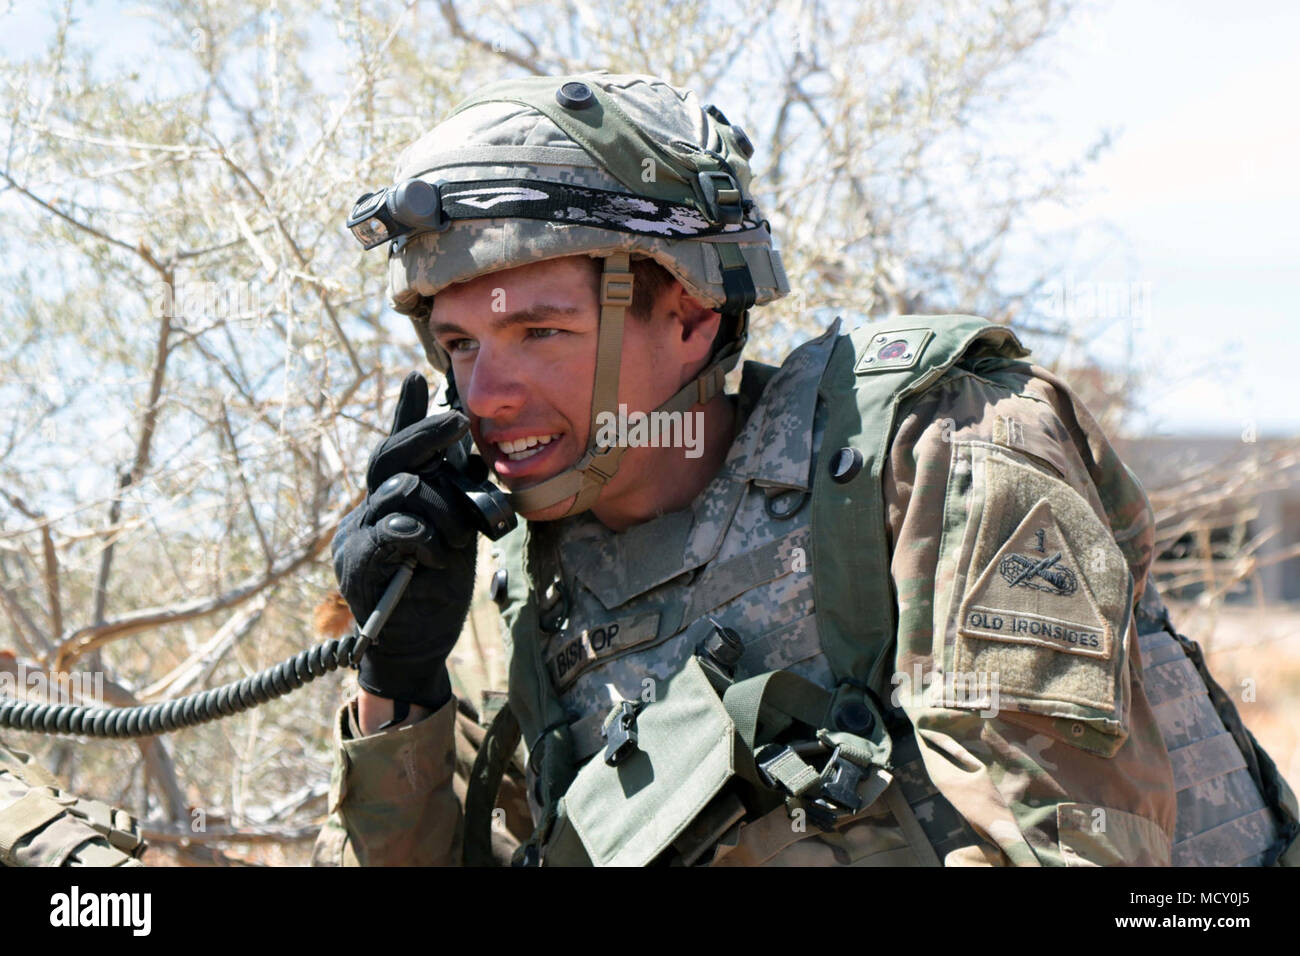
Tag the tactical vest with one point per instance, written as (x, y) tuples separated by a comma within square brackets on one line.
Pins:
[(41, 825), (1234, 808), (619, 645)]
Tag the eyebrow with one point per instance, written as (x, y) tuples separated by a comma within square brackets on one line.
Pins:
[(537, 313)]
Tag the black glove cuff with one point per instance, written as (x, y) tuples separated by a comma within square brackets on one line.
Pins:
[(394, 680)]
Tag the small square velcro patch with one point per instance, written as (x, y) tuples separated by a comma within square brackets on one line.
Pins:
[(892, 350), (1034, 591)]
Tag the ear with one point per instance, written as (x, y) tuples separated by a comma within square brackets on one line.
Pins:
[(692, 320)]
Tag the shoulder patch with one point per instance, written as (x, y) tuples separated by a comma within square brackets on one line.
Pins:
[(1035, 591), (1041, 594)]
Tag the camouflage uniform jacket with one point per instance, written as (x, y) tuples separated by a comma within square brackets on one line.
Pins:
[(1019, 544)]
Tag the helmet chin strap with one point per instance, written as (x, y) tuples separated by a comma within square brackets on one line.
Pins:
[(584, 480)]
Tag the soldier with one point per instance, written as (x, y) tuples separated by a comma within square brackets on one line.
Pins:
[(43, 825), (876, 608)]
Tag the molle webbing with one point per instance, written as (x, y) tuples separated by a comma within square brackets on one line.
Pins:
[(41, 825), (1234, 808), (541, 718)]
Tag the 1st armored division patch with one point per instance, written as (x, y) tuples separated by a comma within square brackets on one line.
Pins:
[(1042, 595), (1034, 591)]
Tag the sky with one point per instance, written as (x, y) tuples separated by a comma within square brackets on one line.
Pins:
[(1196, 206)]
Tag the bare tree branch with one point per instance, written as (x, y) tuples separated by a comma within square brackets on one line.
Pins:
[(26, 632), (94, 636), (196, 670), (243, 481), (457, 28), (148, 422), (49, 207), (55, 609)]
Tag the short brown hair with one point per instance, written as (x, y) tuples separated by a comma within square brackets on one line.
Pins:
[(649, 279)]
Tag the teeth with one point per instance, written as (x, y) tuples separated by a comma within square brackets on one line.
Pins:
[(520, 445)]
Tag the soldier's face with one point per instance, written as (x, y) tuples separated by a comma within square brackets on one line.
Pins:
[(523, 349)]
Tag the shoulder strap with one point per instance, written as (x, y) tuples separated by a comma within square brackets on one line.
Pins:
[(870, 372), (499, 743), (533, 714)]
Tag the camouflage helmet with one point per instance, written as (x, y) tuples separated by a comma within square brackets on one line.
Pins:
[(610, 166)]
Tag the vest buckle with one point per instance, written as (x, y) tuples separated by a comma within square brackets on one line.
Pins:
[(619, 733), (840, 779)]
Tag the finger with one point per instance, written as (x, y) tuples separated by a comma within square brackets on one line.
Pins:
[(412, 403), (415, 447), (405, 535), (406, 494)]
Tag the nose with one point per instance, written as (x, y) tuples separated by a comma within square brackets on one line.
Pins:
[(493, 390)]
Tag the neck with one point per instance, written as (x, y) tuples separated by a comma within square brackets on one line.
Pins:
[(672, 480)]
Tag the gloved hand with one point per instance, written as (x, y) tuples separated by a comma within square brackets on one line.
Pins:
[(411, 510)]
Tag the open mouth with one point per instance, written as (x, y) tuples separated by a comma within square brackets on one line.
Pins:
[(523, 448), (524, 457)]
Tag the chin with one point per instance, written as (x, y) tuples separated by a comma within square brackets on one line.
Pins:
[(552, 513)]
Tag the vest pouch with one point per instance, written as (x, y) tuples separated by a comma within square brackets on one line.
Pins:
[(563, 847), (629, 814)]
